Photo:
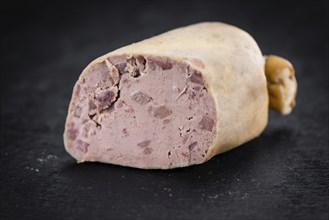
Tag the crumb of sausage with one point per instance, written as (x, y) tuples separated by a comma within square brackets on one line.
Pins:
[(144, 143), (196, 78), (192, 145), (161, 112), (147, 150), (82, 146), (206, 123), (141, 98)]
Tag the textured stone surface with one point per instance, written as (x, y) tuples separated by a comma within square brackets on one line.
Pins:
[(283, 174)]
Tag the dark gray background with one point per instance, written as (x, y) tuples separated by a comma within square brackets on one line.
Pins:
[(283, 174)]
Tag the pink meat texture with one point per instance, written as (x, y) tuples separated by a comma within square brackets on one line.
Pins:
[(176, 99)]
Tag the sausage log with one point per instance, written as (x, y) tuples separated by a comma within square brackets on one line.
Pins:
[(176, 99)]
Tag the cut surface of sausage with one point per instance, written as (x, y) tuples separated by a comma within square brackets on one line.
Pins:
[(141, 111)]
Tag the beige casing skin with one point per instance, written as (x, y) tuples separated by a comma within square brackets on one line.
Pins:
[(233, 68)]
